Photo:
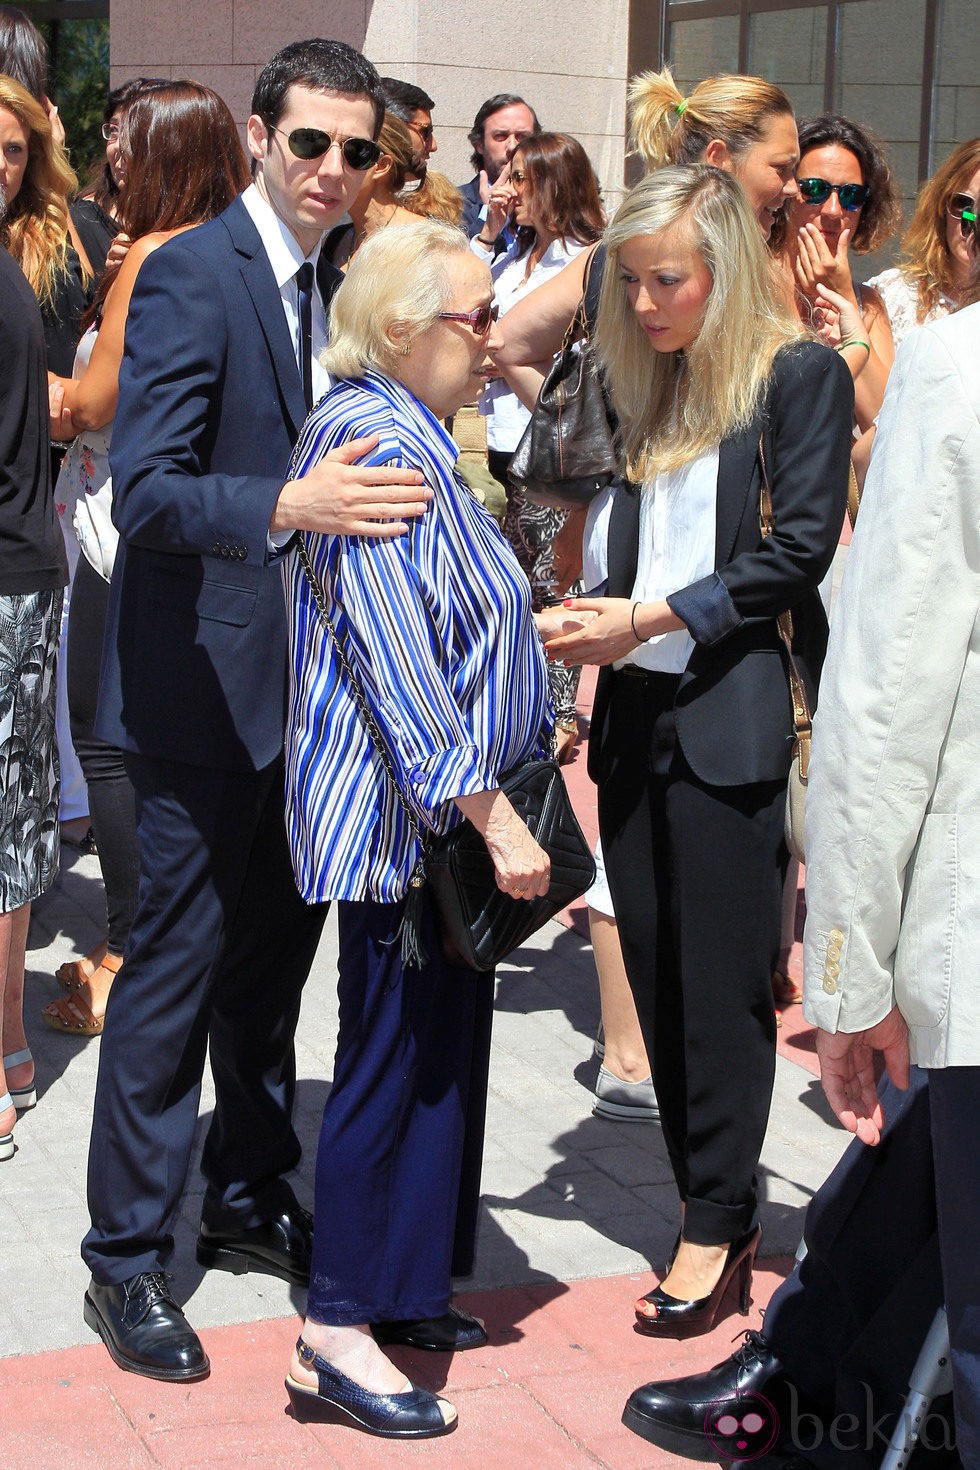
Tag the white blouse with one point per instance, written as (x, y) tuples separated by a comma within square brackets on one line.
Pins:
[(676, 548)]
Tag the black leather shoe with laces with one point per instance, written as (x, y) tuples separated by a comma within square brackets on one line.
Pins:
[(281, 1247), (144, 1329), (703, 1417)]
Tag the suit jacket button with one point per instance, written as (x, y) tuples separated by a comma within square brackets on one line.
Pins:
[(830, 985)]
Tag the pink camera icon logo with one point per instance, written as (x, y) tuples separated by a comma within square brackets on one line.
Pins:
[(745, 1432)]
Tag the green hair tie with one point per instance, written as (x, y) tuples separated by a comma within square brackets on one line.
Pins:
[(680, 107)]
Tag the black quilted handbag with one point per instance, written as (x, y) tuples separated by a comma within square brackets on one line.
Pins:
[(478, 926)]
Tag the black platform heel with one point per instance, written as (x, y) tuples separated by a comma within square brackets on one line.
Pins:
[(676, 1318), (416, 1414)]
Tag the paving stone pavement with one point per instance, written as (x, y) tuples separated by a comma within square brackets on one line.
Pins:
[(566, 1196)]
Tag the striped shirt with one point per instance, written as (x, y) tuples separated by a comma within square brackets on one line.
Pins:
[(438, 625)]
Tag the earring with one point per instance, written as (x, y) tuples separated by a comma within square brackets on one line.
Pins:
[(406, 350)]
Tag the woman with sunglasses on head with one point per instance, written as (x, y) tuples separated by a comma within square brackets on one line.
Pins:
[(709, 371), (847, 203), (377, 206), (550, 196), (438, 629), (184, 164)]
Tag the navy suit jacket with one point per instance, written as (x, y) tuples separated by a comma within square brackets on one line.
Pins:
[(210, 406), (733, 711)]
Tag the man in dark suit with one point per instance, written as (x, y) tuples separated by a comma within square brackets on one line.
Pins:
[(220, 369), (499, 128)]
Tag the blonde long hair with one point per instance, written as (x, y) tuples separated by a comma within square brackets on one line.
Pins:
[(745, 322), (666, 127), (35, 227)]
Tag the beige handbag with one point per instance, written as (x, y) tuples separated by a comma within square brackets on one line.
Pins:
[(802, 724)]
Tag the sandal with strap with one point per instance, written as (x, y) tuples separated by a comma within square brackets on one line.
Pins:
[(74, 973), (21, 1097), (73, 1015)]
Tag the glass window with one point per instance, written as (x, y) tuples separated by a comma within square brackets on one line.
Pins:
[(789, 48), (957, 77), (702, 48)]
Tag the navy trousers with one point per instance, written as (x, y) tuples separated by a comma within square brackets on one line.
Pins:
[(848, 1324), (220, 948), (954, 1103), (401, 1146)]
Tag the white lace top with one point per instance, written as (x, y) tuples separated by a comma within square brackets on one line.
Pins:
[(901, 301)]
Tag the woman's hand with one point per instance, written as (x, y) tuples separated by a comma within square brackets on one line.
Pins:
[(503, 197), (838, 319), (522, 868), (552, 622), (60, 424), (817, 264), (117, 251), (613, 632)]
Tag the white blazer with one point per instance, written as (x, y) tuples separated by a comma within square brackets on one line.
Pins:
[(893, 807)]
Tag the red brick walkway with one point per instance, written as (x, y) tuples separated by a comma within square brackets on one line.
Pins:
[(547, 1392)]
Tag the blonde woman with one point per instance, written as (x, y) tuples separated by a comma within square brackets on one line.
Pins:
[(377, 205), (689, 733), (36, 178)]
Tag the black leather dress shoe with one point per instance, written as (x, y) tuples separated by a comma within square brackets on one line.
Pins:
[(453, 1332), (144, 1329), (281, 1247), (736, 1410)]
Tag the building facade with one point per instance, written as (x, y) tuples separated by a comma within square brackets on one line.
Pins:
[(910, 69)]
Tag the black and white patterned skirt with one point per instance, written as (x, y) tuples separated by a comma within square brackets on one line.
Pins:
[(29, 628)]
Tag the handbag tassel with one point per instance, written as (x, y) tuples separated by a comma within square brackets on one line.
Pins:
[(410, 929)]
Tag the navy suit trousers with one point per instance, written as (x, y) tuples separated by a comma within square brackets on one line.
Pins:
[(220, 948)]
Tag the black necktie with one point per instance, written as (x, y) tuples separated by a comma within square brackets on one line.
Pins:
[(304, 286)]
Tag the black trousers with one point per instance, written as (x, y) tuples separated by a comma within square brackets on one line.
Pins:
[(401, 1146), (112, 805), (220, 948), (696, 876)]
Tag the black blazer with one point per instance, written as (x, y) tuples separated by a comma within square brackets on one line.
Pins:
[(733, 711), (210, 406)]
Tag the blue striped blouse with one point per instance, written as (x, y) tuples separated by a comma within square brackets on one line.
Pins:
[(438, 625)]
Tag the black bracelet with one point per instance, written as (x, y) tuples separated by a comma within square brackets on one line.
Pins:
[(633, 622)]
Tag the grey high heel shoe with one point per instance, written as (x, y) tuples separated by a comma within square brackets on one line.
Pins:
[(6, 1139), (21, 1098)]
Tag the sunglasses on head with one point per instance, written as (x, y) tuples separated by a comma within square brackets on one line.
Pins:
[(818, 191), (309, 143), (478, 321)]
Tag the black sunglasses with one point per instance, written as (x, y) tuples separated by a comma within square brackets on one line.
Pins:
[(309, 143), (818, 191), (478, 320)]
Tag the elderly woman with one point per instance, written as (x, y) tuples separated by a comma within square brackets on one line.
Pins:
[(439, 629)]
